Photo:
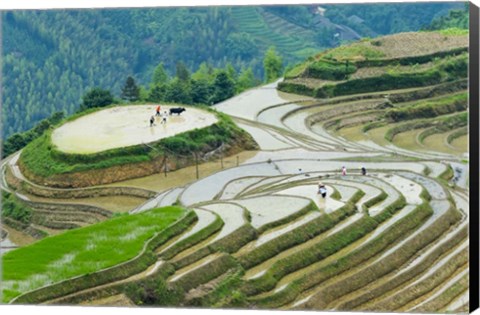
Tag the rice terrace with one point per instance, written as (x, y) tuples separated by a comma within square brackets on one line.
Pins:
[(219, 206)]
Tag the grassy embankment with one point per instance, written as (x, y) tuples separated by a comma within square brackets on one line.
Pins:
[(393, 62)]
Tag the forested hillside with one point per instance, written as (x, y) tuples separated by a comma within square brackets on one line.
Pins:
[(51, 58), (388, 18), (455, 18)]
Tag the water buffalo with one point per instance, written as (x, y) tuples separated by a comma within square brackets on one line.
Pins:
[(177, 110)]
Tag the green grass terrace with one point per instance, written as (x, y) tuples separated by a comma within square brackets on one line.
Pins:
[(83, 251)]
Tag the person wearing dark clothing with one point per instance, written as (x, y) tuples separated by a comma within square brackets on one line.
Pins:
[(152, 121), (364, 171)]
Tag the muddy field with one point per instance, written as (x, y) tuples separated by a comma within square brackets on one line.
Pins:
[(125, 126)]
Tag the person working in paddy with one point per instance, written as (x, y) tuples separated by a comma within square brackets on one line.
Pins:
[(158, 111), (364, 171), (322, 190), (164, 117)]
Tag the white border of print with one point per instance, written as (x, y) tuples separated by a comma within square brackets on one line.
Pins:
[(51, 4)]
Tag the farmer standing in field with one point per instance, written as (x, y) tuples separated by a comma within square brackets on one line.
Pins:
[(164, 117), (344, 171), (158, 111), (152, 120)]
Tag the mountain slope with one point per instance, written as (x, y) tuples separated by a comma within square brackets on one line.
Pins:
[(52, 57)]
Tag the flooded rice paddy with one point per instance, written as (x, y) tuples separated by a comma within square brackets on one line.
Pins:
[(125, 126), (268, 188)]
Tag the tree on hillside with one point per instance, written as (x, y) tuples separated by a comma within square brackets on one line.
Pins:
[(241, 45), (201, 91), (224, 87), (178, 92), (159, 75), (232, 73), (14, 143), (245, 80), (96, 97), (204, 72), (130, 91), (455, 18), (272, 64), (157, 93), (19, 140), (182, 72)]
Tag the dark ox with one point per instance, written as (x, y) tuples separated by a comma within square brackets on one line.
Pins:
[(177, 110)]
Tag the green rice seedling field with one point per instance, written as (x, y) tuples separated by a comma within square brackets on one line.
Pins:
[(82, 251)]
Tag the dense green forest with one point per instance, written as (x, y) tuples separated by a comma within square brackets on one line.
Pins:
[(454, 19), (388, 18), (51, 58)]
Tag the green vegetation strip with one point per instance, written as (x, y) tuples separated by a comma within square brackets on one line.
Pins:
[(373, 125), (440, 124), (308, 256), (296, 88), (320, 250), (234, 241), (430, 108), (310, 207), (15, 209), (413, 60), (329, 70), (336, 194), (193, 239), (457, 134), (18, 140), (354, 51), (389, 263), (429, 92), (92, 251), (446, 297), (228, 244), (441, 276), (375, 200), (164, 271), (384, 82), (154, 291), (393, 234), (299, 235), (454, 31), (426, 133), (205, 273), (395, 282), (390, 210), (447, 174), (450, 70), (225, 292)]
